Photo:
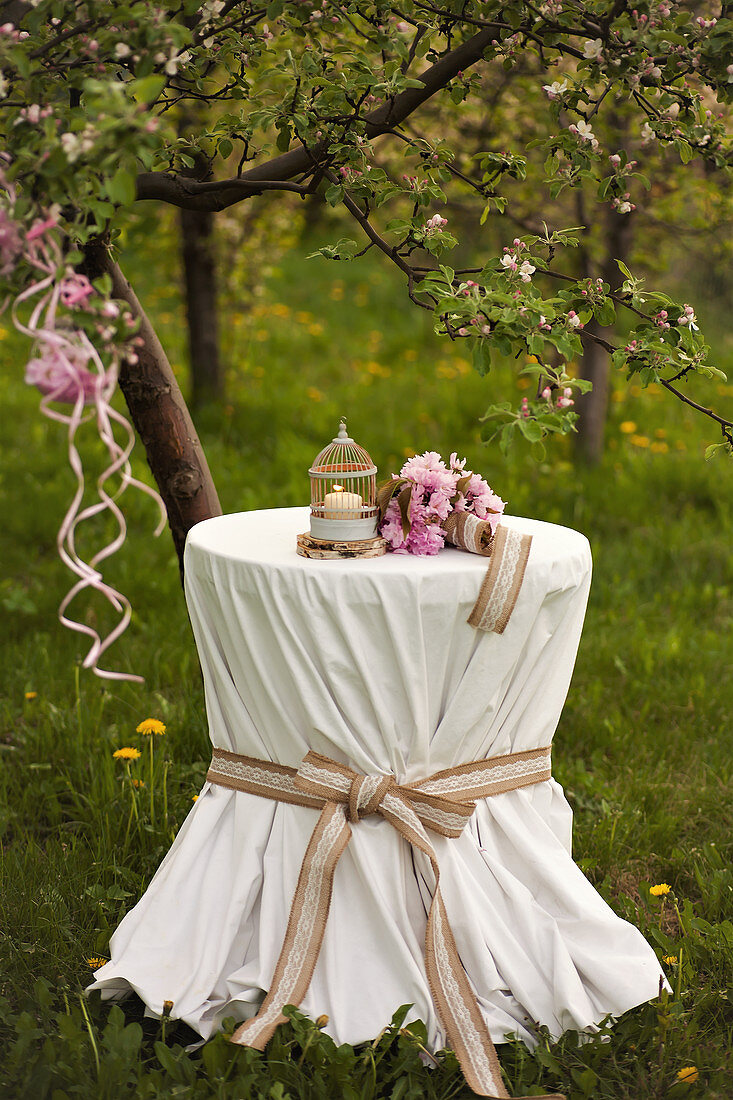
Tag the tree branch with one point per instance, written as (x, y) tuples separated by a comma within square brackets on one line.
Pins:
[(167, 187)]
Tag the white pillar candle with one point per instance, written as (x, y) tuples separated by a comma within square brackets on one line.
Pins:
[(342, 505)]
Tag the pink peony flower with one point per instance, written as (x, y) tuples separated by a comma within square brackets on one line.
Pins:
[(433, 496)]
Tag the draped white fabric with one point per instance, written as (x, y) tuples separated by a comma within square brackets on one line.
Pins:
[(372, 662)]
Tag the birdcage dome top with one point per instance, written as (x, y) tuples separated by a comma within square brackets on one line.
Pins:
[(343, 456)]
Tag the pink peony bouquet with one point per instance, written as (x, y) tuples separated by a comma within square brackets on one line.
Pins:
[(415, 505)]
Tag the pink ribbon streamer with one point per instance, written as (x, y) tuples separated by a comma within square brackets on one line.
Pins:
[(61, 371)]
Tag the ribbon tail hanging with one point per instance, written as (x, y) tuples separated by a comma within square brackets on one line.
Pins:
[(306, 926)]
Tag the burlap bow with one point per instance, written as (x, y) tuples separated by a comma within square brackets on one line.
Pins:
[(443, 803)]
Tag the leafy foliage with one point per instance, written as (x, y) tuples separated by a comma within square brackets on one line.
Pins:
[(91, 92)]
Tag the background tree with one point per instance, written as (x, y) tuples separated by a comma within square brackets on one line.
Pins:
[(301, 99)]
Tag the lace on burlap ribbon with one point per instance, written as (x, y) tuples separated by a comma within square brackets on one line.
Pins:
[(444, 802), (500, 587)]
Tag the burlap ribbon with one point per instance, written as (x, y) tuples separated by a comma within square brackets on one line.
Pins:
[(503, 580), (468, 532), (443, 803)]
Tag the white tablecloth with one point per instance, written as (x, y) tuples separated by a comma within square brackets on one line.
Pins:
[(372, 662)]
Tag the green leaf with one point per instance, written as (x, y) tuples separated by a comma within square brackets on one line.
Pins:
[(482, 357), (685, 150), (334, 194), (225, 147), (605, 313), (121, 187), (148, 88), (531, 430)]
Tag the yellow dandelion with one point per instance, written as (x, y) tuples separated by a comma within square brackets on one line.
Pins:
[(670, 960), (314, 394), (127, 753), (659, 447), (303, 317), (137, 783), (315, 329), (31, 695), (660, 890), (660, 433), (689, 1075), (627, 426), (151, 725), (95, 962), (195, 798), (280, 309), (640, 440)]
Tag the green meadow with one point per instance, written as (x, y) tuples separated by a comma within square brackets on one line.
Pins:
[(644, 747)]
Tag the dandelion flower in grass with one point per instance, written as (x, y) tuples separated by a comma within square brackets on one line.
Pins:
[(627, 426), (670, 960), (31, 695), (137, 783), (95, 962), (689, 1074), (151, 725), (660, 890), (127, 753)]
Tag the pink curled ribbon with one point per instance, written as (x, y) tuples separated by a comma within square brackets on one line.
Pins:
[(67, 369)]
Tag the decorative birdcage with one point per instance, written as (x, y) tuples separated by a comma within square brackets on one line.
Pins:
[(343, 492)]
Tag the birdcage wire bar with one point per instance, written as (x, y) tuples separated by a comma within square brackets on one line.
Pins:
[(343, 491)]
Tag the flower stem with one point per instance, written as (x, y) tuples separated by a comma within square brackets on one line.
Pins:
[(152, 793)]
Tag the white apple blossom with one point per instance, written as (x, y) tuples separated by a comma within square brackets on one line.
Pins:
[(71, 146), (122, 50), (584, 131), (593, 48), (624, 207), (526, 271), (647, 134), (556, 89), (3, 85), (175, 60)]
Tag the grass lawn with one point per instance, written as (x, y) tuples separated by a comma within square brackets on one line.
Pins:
[(643, 748)]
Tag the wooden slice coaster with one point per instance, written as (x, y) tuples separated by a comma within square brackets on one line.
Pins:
[(308, 547)]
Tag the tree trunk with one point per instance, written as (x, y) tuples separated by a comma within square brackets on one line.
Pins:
[(595, 364), (161, 418), (199, 268)]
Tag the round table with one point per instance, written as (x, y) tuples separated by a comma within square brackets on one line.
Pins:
[(372, 663)]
